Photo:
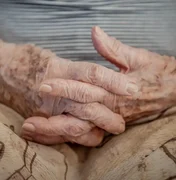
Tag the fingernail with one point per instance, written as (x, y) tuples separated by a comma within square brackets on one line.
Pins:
[(45, 88), (28, 127), (121, 128), (132, 88)]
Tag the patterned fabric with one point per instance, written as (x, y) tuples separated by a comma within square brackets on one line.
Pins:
[(146, 151), (64, 26)]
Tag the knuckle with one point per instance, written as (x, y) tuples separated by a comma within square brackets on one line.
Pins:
[(74, 130), (90, 111), (64, 89), (58, 106), (70, 72), (84, 94), (111, 82), (94, 73), (120, 79), (115, 81)]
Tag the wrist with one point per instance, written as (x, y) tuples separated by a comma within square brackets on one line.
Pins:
[(22, 68)]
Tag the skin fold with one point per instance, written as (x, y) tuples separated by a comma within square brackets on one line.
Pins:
[(108, 104)]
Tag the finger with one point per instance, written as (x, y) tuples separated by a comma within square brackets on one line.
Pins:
[(56, 125), (108, 79), (98, 114), (91, 73), (74, 90), (92, 138), (79, 91), (44, 139), (123, 56)]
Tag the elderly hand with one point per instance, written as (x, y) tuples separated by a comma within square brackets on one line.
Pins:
[(154, 74), (83, 89)]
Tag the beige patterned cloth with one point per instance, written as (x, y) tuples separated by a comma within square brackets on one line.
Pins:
[(144, 152)]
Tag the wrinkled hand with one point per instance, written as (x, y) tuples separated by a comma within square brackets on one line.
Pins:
[(81, 92), (154, 74), (84, 90)]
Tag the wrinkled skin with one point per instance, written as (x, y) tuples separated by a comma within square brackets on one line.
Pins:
[(24, 67), (155, 76)]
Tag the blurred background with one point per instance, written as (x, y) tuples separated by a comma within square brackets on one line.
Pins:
[(64, 26)]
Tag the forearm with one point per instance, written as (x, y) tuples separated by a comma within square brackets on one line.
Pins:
[(22, 67)]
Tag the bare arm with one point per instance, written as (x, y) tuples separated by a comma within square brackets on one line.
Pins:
[(22, 67)]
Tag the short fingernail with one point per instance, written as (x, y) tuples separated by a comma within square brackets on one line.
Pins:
[(28, 127), (121, 129), (132, 88), (45, 88)]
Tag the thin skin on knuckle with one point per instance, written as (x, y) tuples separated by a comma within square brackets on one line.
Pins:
[(111, 82), (67, 88), (64, 89), (96, 113), (84, 94), (110, 100), (121, 81), (90, 111), (73, 70), (93, 74)]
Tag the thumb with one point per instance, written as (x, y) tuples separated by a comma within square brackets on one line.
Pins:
[(123, 56)]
